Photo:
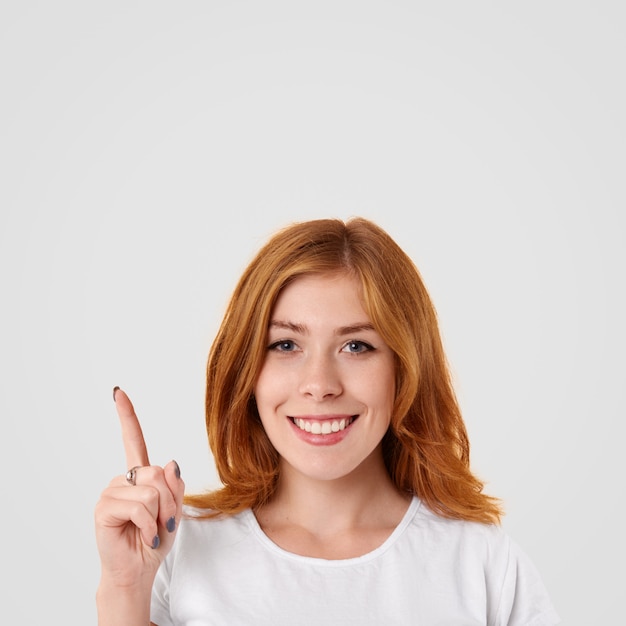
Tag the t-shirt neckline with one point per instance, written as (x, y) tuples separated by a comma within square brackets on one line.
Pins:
[(397, 532)]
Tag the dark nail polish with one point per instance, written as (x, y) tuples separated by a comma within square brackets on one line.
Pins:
[(156, 542), (114, 392), (171, 524), (177, 469)]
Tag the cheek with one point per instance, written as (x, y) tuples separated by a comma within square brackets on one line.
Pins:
[(386, 399), (380, 386), (267, 389), (269, 392)]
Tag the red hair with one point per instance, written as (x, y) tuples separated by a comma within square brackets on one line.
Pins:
[(426, 449)]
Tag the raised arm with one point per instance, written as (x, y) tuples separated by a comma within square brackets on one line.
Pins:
[(136, 520)]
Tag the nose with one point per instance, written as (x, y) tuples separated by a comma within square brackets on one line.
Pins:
[(320, 378)]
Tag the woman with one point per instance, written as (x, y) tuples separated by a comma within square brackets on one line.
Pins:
[(347, 492)]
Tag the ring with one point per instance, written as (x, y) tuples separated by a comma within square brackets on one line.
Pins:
[(131, 475)]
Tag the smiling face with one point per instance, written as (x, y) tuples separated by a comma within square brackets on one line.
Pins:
[(326, 388)]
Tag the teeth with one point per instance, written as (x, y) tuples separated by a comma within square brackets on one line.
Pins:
[(322, 428)]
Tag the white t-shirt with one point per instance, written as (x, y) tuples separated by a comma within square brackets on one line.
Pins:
[(430, 571)]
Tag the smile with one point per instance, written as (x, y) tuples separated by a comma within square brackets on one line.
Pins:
[(325, 427)]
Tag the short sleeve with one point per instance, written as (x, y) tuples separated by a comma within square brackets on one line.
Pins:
[(523, 599), (160, 602)]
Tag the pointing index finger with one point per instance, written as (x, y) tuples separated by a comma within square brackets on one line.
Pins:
[(132, 435)]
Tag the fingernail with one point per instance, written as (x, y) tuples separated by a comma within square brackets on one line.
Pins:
[(176, 469), (114, 392), (171, 524), (156, 542)]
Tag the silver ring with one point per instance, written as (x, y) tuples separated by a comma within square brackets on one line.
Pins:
[(131, 475)]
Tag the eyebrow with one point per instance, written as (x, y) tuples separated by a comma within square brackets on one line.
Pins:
[(341, 331)]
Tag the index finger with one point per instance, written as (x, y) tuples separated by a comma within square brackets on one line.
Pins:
[(132, 435)]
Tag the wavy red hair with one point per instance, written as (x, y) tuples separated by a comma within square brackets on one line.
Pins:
[(426, 449)]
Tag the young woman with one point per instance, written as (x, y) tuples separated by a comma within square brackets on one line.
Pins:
[(347, 492)]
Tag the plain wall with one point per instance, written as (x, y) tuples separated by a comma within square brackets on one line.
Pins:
[(148, 149)]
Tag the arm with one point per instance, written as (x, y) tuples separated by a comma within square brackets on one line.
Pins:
[(135, 528)]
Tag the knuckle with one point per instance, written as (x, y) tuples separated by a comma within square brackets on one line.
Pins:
[(138, 510), (148, 496), (151, 474), (100, 508)]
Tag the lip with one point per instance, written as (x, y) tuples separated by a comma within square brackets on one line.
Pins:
[(329, 439)]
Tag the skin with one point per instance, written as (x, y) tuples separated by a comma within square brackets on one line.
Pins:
[(335, 500), (325, 363), (128, 518)]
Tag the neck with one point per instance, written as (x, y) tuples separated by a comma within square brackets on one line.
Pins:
[(365, 498)]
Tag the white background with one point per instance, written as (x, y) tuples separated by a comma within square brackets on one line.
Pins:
[(147, 149)]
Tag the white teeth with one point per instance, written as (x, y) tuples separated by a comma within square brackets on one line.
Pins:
[(322, 428)]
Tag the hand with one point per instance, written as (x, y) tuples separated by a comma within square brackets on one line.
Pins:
[(136, 524)]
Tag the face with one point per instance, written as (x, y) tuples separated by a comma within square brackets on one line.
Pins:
[(326, 388)]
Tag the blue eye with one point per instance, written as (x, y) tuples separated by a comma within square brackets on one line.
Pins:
[(357, 347), (284, 345)]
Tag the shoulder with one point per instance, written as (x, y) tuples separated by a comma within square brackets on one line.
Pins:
[(198, 533), (471, 549), (202, 522), (484, 559), (462, 534)]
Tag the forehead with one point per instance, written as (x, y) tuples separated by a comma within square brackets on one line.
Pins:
[(317, 294)]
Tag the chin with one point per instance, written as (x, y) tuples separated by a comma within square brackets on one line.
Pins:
[(323, 471)]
